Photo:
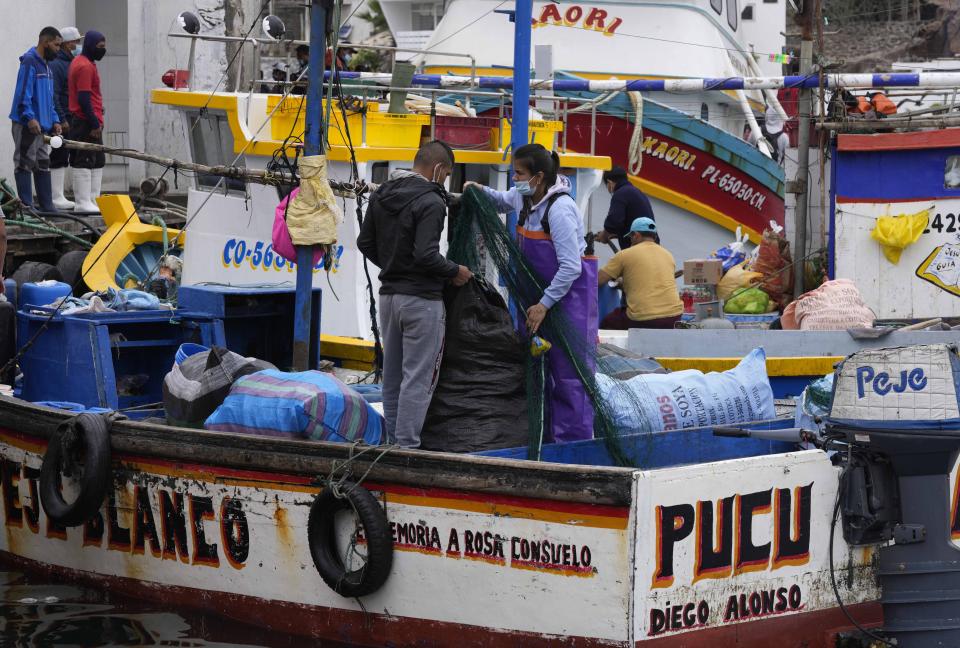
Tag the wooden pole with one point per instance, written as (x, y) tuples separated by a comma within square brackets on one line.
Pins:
[(801, 188), (343, 189)]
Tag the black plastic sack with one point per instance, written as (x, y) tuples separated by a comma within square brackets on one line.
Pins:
[(480, 401)]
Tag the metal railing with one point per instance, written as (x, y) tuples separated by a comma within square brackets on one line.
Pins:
[(289, 45)]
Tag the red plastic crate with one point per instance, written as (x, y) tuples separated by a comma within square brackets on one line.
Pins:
[(465, 132)]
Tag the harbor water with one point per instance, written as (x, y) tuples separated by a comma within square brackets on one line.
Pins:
[(39, 612)]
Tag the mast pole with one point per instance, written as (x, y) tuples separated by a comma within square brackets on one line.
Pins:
[(313, 146), (522, 19)]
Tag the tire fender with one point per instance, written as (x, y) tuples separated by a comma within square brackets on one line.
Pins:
[(323, 547), (92, 431)]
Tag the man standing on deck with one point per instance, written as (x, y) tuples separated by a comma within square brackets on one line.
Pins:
[(86, 121), (33, 113), (627, 204), (401, 235), (60, 158), (648, 282)]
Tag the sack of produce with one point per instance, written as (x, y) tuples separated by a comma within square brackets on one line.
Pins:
[(198, 383), (751, 301), (306, 405), (736, 279), (690, 398), (835, 306), (775, 263)]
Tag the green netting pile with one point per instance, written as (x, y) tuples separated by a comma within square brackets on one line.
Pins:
[(480, 240)]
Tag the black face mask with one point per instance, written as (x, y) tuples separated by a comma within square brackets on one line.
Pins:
[(49, 54), (99, 53)]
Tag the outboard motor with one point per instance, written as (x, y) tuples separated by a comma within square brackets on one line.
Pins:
[(899, 411)]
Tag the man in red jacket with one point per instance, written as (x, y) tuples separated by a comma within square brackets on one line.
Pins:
[(86, 120)]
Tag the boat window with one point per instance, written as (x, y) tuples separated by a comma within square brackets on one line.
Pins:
[(380, 172), (747, 13), (951, 174), (293, 13), (211, 143), (733, 14), (704, 112), (425, 15), (717, 5)]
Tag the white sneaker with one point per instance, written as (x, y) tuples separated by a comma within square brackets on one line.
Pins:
[(57, 176), (82, 179)]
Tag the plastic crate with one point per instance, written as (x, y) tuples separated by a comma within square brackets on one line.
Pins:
[(466, 132), (292, 117), (111, 360), (256, 322), (393, 130), (540, 132)]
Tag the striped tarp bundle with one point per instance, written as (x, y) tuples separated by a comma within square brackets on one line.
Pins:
[(310, 405)]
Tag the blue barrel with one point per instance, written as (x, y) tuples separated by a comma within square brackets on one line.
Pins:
[(41, 294)]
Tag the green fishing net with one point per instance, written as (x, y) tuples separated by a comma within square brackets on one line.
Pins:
[(480, 240)]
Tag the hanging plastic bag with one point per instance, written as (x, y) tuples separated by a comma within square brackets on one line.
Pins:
[(733, 254), (751, 301), (894, 233), (737, 278), (282, 244), (313, 214), (775, 263)]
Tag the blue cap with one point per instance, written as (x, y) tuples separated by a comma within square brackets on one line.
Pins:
[(643, 224)]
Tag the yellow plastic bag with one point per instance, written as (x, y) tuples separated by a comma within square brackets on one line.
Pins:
[(736, 278), (894, 233), (313, 215)]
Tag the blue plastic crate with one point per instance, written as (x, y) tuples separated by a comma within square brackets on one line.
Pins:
[(257, 322), (111, 360)]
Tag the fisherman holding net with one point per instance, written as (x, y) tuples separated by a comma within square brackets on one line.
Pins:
[(550, 235)]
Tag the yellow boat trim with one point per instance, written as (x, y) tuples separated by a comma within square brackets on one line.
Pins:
[(694, 206), (267, 147), (124, 232), (346, 348), (778, 367)]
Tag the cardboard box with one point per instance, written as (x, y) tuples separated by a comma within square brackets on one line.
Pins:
[(702, 271)]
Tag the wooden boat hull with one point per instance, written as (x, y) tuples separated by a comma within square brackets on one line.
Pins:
[(487, 551)]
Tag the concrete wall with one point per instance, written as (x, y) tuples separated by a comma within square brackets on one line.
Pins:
[(21, 28), (159, 129)]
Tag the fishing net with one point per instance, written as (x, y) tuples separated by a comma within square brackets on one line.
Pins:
[(480, 241)]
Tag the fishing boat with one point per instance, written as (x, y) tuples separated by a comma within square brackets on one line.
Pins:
[(726, 536)]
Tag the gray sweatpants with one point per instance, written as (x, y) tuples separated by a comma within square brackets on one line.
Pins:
[(413, 330)]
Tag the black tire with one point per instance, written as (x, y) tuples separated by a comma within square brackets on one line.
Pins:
[(323, 546), (92, 430), (32, 271), (70, 266)]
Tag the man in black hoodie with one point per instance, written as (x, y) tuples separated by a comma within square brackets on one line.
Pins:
[(401, 235)]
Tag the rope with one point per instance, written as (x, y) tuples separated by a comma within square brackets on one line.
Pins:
[(636, 138), (340, 470)]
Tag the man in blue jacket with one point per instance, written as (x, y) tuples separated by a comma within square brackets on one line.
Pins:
[(627, 205), (60, 158), (34, 113)]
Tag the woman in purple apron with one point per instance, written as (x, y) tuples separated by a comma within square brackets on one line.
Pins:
[(551, 235)]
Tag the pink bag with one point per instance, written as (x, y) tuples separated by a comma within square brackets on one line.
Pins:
[(834, 306), (282, 244)]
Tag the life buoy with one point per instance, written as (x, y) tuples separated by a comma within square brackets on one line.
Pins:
[(321, 529), (92, 433)]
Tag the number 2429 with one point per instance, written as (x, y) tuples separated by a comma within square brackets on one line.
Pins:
[(938, 224)]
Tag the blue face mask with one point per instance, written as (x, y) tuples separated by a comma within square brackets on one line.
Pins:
[(523, 187)]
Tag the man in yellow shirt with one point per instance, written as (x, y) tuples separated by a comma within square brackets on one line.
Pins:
[(648, 282)]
